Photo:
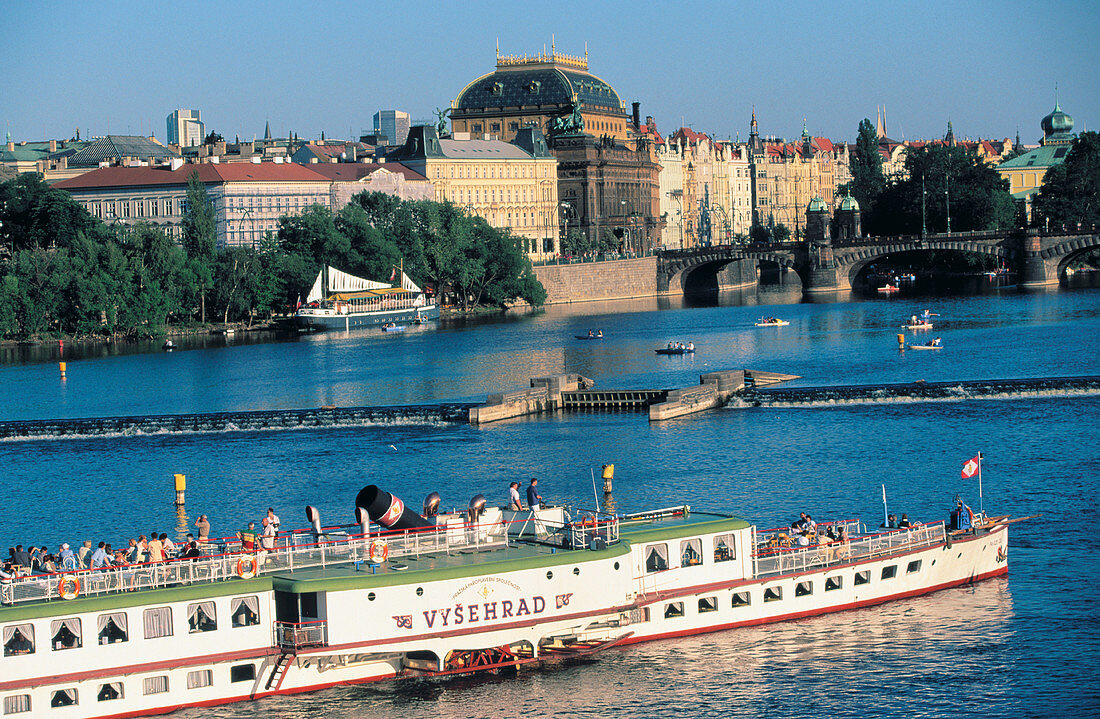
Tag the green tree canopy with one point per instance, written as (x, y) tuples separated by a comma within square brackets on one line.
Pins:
[(868, 181), (1071, 191)]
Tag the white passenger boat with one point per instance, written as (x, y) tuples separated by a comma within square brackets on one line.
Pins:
[(440, 594), (771, 322), (918, 325), (338, 300)]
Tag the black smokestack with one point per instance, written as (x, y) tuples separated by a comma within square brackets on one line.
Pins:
[(637, 115), (387, 510)]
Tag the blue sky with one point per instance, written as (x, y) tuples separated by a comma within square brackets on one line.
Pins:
[(120, 67)]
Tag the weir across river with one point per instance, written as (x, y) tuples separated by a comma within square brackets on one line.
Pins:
[(715, 389)]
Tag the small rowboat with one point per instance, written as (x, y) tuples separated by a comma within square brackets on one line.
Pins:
[(589, 337), (393, 328), (771, 322), (924, 347), (675, 351), (918, 326), (888, 289)]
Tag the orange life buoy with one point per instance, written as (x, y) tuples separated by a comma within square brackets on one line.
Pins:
[(247, 567), (379, 551), (588, 522), (73, 591)]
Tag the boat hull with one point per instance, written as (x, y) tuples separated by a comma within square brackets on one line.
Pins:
[(315, 321)]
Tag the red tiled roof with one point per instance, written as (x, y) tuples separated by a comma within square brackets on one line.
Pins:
[(209, 174), (355, 171)]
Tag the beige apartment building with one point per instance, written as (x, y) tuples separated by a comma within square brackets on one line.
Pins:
[(512, 186), (248, 198)]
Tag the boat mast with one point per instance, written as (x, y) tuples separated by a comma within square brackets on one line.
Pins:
[(981, 501), (885, 510)]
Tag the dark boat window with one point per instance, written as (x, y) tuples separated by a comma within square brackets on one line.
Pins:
[(242, 673), (691, 552), (202, 617), (741, 599), (708, 604), (890, 572), (109, 692), (914, 566), (65, 634), (245, 611), (63, 698), (803, 589), (833, 583), (18, 639), (656, 557), (773, 594), (863, 577), (675, 609), (113, 628), (724, 548)]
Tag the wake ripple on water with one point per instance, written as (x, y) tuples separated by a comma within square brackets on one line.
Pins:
[(254, 421), (920, 391)]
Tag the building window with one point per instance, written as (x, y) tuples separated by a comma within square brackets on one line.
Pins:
[(674, 609), (112, 628), (200, 678), (156, 685), (496, 127), (201, 617), (18, 639), (63, 698), (65, 634), (708, 604), (245, 611), (109, 692), (691, 552), (724, 548), (158, 622), (242, 673), (17, 704)]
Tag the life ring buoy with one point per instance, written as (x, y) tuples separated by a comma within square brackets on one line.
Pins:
[(73, 590), (588, 522), (248, 567), (379, 551)]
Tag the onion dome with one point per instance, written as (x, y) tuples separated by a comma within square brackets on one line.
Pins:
[(1057, 122), (817, 205), (849, 203)]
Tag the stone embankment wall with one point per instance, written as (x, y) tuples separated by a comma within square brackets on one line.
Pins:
[(612, 280)]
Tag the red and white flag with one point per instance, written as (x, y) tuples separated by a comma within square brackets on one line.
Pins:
[(971, 467), (393, 274)]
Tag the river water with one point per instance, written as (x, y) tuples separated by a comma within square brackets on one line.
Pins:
[(1025, 645)]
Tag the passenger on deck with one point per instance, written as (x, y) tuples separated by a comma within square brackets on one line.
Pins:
[(904, 523), (691, 346), (248, 537), (534, 499), (156, 548), (84, 554), (169, 546), (514, 503), (799, 524), (811, 525), (267, 536), (804, 538), (192, 551), (891, 522), (68, 559), (100, 558)]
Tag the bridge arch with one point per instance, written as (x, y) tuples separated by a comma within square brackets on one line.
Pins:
[(852, 261), (676, 269), (1058, 257)]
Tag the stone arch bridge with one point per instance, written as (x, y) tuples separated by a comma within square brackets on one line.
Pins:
[(1039, 257)]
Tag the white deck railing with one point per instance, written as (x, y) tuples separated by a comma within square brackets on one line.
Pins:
[(775, 561)]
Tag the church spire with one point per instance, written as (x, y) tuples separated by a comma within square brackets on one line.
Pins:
[(267, 130)]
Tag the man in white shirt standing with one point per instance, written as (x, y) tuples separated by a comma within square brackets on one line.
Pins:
[(513, 497)]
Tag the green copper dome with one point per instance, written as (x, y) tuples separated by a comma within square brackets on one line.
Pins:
[(1057, 122), (849, 203), (817, 205)]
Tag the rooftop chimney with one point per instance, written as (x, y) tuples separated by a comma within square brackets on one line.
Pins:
[(53, 145), (637, 115)]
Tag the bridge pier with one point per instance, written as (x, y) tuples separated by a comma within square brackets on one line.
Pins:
[(1035, 271)]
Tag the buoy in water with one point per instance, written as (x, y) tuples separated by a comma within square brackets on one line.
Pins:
[(901, 341), (181, 488), (61, 366)]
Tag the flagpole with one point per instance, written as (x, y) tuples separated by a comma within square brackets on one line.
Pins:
[(885, 511), (981, 502)]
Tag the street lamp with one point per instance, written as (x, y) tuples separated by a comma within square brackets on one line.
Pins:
[(947, 194), (923, 219), (566, 208)]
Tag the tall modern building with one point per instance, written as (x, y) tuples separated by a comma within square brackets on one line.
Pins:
[(185, 128), (393, 125)]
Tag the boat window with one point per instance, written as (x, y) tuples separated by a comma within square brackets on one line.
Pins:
[(914, 566), (833, 583), (691, 552), (724, 548), (890, 572), (65, 634), (112, 628), (674, 609), (63, 698), (200, 678), (242, 673), (245, 611), (156, 685), (201, 617), (18, 639), (741, 599), (17, 704), (773, 594), (708, 604), (109, 692), (656, 557), (158, 622), (803, 589)]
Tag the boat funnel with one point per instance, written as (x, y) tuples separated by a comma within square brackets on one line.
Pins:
[(431, 504), (477, 506), (387, 510), (314, 518)]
